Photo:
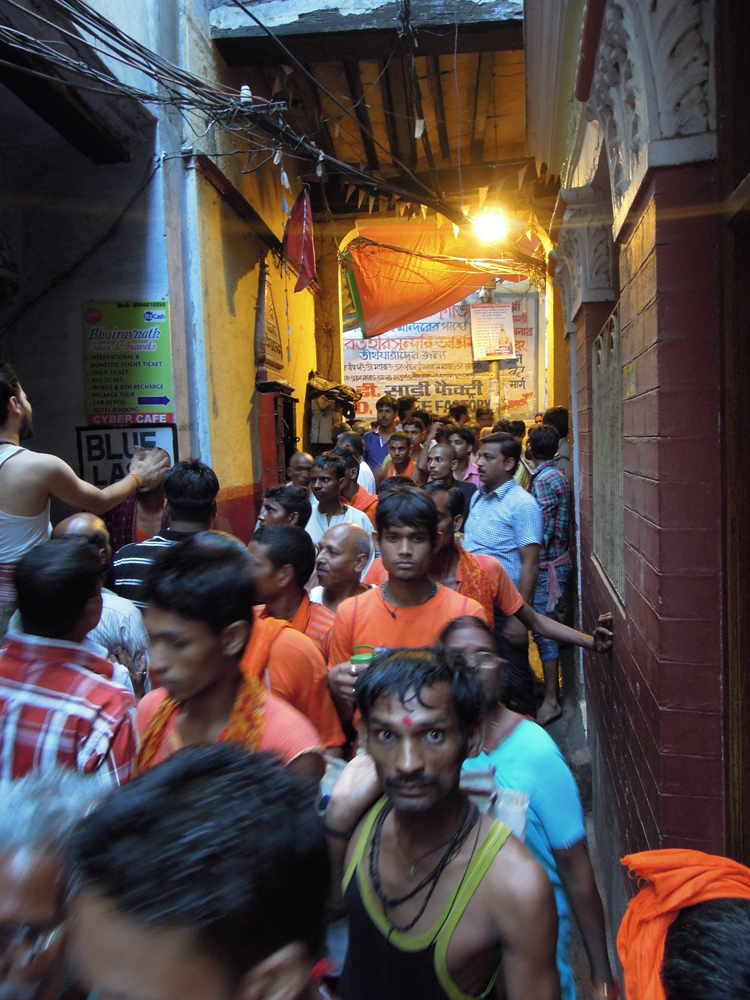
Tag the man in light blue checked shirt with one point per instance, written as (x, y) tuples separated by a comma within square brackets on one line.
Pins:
[(506, 522)]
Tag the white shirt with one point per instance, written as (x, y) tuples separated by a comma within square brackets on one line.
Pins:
[(366, 478), (318, 524)]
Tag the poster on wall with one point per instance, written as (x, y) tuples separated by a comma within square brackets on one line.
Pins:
[(430, 359), (433, 360), (128, 362), (492, 331), (518, 380), (104, 453)]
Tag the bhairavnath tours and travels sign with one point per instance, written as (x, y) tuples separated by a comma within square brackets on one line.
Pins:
[(433, 360), (128, 362)]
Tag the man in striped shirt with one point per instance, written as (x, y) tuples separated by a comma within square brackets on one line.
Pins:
[(59, 706), (190, 488)]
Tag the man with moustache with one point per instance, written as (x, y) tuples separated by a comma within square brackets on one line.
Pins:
[(298, 470), (328, 479), (343, 553), (441, 899)]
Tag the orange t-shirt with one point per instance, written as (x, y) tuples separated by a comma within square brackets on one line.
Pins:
[(365, 620), (296, 671), (286, 731), (392, 470), (506, 597), (366, 502), (312, 619)]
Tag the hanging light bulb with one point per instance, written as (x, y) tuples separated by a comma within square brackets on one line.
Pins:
[(491, 227)]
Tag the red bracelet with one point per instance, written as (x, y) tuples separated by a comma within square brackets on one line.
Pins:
[(138, 480)]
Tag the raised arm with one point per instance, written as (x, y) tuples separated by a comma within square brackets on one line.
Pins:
[(601, 640), (421, 471), (529, 555), (147, 468)]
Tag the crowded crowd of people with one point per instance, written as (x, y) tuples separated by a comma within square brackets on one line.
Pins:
[(314, 765)]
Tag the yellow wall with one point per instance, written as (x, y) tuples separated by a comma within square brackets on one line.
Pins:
[(229, 271)]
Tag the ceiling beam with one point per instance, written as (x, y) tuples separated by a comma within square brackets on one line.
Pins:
[(398, 104), (309, 96), (436, 93), (354, 82), (482, 97)]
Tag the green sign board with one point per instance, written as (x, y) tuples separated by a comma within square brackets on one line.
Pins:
[(128, 363)]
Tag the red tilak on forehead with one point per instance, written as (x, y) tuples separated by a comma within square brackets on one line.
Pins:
[(406, 720)]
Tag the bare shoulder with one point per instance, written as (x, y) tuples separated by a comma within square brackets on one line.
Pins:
[(518, 882)]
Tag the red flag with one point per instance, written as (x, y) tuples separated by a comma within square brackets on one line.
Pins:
[(299, 240)]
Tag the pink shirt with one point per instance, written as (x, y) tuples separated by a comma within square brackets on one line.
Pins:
[(472, 475)]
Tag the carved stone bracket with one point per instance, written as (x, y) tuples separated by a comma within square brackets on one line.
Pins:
[(584, 252), (653, 90)]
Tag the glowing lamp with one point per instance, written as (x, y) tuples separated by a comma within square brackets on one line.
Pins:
[(491, 227)]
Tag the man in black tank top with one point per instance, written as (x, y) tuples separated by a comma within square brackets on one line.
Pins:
[(441, 899)]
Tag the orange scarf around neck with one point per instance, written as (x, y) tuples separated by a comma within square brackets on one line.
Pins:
[(675, 878), (474, 582), (245, 724)]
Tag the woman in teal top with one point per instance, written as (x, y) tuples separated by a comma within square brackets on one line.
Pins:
[(526, 759)]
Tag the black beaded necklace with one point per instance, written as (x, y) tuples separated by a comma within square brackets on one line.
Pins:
[(390, 902)]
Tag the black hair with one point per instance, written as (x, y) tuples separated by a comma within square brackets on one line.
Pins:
[(207, 577), (458, 410), (353, 440), (414, 419), (54, 582), (330, 460), (400, 436), (543, 441), (405, 403), (484, 411), (293, 500), (288, 545), (517, 428), (406, 672), (348, 456), (558, 417), (9, 387), (190, 488), (387, 401), (509, 446), (501, 427), (407, 508), (220, 842), (396, 483), (455, 502), (424, 416), (464, 433), (445, 431), (707, 952), (468, 621)]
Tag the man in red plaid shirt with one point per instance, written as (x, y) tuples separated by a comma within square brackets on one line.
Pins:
[(58, 703)]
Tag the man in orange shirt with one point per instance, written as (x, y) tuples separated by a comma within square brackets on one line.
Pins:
[(207, 659), (484, 579), (355, 494), (408, 609), (283, 558), (401, 463)]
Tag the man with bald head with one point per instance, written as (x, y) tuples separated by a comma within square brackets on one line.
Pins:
[(298, 470), (120, 630), (343, 553)]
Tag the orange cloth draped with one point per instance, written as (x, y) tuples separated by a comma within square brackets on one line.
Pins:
[(400, 274), (475, 582), (676, 878), (245, 724)]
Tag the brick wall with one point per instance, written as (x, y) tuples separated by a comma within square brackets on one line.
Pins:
[(656, 705)]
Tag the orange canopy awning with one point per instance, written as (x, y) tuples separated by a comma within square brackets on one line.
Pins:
[(400, 274)]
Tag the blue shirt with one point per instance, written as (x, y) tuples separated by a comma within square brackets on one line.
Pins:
[(501, 522), (375, 450), (528, 760)]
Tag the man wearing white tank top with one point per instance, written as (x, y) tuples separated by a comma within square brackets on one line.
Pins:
[(28, 480)]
